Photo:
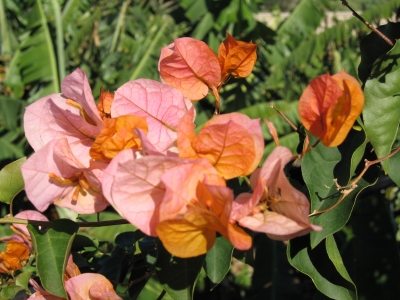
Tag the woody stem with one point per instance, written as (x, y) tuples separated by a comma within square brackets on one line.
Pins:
[(48, 224), (384, 37)]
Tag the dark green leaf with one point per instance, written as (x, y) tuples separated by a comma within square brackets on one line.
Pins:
[(178, 275), (11, 181), (382, 100), (334, 255), (218, 260), (126, 240), (316, 264), (52, 249), (22, 279), (114, 267), (340, 163), (9, 292), (373, 46)]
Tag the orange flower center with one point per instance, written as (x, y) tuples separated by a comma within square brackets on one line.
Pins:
[(78, 179)]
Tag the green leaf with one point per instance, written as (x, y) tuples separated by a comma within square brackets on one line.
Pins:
[(334, 255), (340, 163), (22, 280), (317, 264), (52, 249), (393, 171), (382, 100), (11, 181), (373, 46), (9, 292), (36, 43), (218, 261), (178, 275)]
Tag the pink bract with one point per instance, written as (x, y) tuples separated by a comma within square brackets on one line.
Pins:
[(90, 286), (51, 118), (134, 188), (162, 106), (275, 207), (56, 157)]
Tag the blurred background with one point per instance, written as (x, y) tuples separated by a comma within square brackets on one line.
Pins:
[(116, 41)]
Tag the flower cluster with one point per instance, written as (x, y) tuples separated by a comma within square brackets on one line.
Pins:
[(137, 150)]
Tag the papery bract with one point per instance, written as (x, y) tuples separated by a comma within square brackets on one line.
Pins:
[(276, 207), (236, 58), (105, 103), (162, 106), (90, 286), (51, 117), (54, 175), (330, 105), (196, 205), (191, 66), (232, 143), (12, 258), (117, 135), (134, 188)]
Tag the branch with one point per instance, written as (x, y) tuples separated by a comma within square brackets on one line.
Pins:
[(384, 37), (11, 220), (345, 190)]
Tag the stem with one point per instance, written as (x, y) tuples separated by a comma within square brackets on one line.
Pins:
[(353, 184), (283, 116), (384, 37), (161, 295), (48, 224)]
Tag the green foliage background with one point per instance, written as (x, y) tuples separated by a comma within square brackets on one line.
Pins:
[(117, 41)]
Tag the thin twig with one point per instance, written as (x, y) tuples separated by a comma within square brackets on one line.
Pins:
[(48, 224), (384, 37), (161, 295), (283, 116), (353, 184)]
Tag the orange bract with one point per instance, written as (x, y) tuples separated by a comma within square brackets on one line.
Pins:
[(11, 259), (104, 105), (236, 58), (330, 105), (117, 135)]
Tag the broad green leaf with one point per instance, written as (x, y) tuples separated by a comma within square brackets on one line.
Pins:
[(340, 163), (22, 279), (114, 267), (9, 292), (11, 181), (218, 261), (373, 46), (178, 275), (52, 248), (334, 255), (304, 19), (393, 171), (382, 100), (317, 264)]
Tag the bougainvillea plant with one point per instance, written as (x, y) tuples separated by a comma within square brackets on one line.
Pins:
[(138, 152)]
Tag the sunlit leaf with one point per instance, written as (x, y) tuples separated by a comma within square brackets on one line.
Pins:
[(218, 260), (11, 181), (317, 264), (52, 249), (382, 98)]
